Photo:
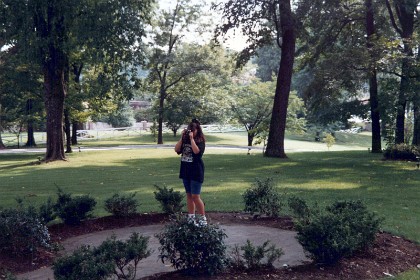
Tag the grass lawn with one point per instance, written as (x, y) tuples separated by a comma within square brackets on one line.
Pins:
[(392, 189)]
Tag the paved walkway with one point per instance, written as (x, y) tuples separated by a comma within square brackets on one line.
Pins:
[(236, 234)]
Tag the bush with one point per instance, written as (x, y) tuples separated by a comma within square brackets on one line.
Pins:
[(253, 256), (121, 205), (263, 198), (402, 152), (170, 200), (82, 264), (112, 258), (299, 208), (341, 230), (46, 211), (72, 210), (22, 232), (197, 249)]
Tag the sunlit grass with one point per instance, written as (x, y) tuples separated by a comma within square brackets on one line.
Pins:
[(389, 188)]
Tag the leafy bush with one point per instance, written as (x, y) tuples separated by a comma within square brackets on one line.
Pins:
[(197, 249), (121, 205), (46, 211), (112, 258), (170, 200), (252, 256), (402, 152), (82, 264), (72, 210), (299, 208), (263, 198), (22, 232), (345, 227)]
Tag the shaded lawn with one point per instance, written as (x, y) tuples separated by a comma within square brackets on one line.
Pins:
[(392, 189)]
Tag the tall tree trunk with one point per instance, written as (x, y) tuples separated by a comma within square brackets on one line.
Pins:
[(405, 10), (67, 130), (31, 139), (2, 146), (275, 143), (54, 86), (160, 117), (74, 127), (402, 102), (250, 138), (416, 104), (373, 83)]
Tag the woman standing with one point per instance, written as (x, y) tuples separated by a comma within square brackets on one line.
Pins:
[(191, 146)]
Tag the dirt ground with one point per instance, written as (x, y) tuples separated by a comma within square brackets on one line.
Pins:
[(389, 255)]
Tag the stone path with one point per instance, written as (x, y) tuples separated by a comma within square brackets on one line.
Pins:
[(237, 234)]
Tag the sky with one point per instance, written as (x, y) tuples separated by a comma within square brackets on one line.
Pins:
[(234, 40)]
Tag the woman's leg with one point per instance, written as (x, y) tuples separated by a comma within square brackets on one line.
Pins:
[(199, 205), (190, 204), (195, 196), (190, 201)]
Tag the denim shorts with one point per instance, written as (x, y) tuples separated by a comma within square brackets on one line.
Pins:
[(191, 186)]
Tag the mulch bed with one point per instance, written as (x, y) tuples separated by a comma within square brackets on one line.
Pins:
[(389, 255)]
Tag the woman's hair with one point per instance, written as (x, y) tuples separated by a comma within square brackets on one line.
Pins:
[(195, 126)]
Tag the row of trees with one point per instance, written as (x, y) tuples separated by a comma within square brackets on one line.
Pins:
[(89, 56)]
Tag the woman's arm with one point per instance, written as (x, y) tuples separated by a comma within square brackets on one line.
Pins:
[(178, 146), (195, 148)]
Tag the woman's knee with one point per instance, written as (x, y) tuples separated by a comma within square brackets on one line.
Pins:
[(195, 197)]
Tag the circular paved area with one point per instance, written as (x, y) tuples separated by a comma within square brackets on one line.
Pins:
[(236, 234)]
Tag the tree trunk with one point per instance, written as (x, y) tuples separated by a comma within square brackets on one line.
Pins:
[(416, 104), (160, 117), (67, 130), (2, 146), (250, 138), (54, 87), (373, 83), (275, 143), (405, 12), (31, 139), (74, 127)]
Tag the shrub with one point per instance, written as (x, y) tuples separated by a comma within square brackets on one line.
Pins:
[(112, 258), (170, 200), (263, 198), (197, 249), (121, 205), (82, 264), (402, 152), (253, 256), (299, 208), (72, 210), (22, 232), (342, 229), (46, 211)]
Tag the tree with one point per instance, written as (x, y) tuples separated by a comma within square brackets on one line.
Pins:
[(52, 30), (260, 21), (251, 105), (172, 60), (404, 12)]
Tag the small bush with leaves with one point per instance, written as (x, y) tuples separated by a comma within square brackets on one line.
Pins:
[(46, 211), (113, 258), (170, 200), (263, 198), (121, 205), (73, 210), (402, 152), (252, 257), (338, 232), (196, 249), (22, 232), (84, 263), (299, 208)]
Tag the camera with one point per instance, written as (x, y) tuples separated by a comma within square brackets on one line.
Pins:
[(186, 136)]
